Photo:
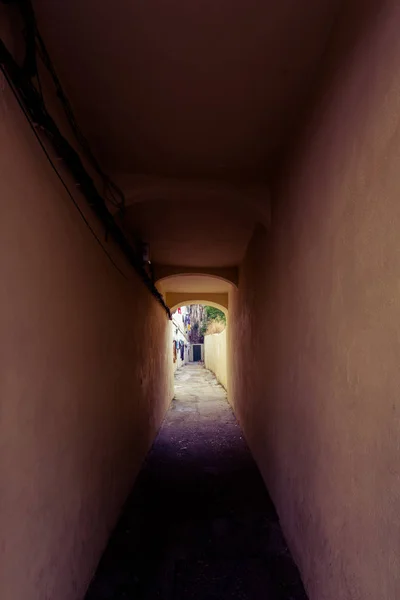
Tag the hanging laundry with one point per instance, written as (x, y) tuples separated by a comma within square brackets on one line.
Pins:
[(174, 350)]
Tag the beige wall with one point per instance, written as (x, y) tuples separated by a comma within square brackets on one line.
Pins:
[(85, 378), (179, 362), (319, 299), (215, 356)]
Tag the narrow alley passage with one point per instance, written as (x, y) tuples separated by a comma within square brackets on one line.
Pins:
[(199, 524)]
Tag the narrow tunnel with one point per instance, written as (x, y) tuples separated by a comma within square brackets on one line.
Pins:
[(198, 523), (242, 155)]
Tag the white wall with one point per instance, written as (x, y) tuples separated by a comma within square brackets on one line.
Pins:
[(215, 356), (177, 333)]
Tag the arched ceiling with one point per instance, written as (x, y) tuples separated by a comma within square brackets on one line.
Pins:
[(180, 290), (199, 234), (144, 188), (194, 284), (206, 88), (177, 301), (189, 106)]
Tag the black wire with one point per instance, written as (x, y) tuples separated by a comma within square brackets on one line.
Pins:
[(111, 188), (34, 108), (36, 46), (33, 128), (40, 90)]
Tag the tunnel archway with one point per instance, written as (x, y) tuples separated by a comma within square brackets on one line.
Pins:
[(175, 300), (207, 344), (222, 305), (200, 288), (163, 273)]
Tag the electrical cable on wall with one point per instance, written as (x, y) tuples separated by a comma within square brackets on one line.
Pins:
[(35, 47), (111, 191), (65, 186), (32, 103)]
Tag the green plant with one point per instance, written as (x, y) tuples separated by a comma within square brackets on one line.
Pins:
[(213, 316)]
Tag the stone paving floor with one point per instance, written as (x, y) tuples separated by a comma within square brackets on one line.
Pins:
[(199, 524)]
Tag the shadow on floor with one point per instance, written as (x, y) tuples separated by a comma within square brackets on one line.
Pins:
[(199, 524)]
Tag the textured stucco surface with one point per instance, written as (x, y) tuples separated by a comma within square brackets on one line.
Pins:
[(319, 302), (217, 536), (85, 379), (188, 90), (188, 105), (215, 356)]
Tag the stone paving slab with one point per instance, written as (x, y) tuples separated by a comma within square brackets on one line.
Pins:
[(199, 524)]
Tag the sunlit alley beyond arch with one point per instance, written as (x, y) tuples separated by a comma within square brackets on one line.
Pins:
[(236, 155)]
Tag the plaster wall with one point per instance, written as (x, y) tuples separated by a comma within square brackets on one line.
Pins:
[(215, 356), (85, 378), (319, 297), (176, 333)]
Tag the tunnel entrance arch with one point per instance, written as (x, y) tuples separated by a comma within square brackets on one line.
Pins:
[(202, 302), (212, 349), (210, 290), (206, 290)]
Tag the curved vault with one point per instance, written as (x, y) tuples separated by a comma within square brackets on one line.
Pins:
[(184, 289), (164, 272), (193, 226)]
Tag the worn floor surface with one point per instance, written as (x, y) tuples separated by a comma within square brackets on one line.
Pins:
[(199, 524)]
